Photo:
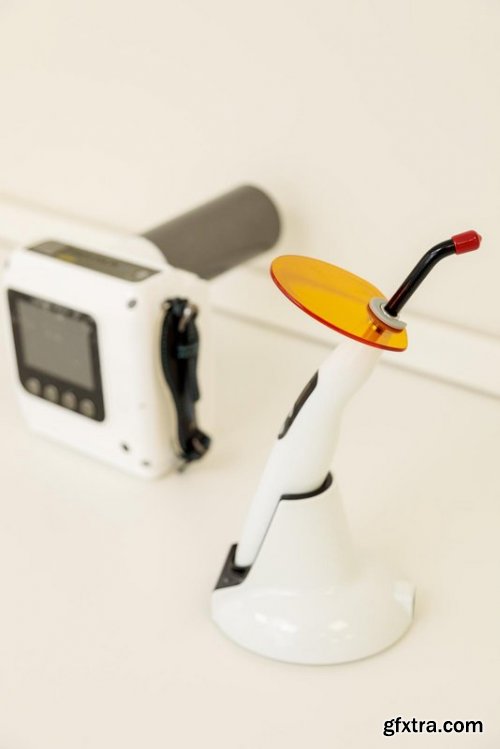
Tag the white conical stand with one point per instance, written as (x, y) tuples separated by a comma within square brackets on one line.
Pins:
[(309, 597)]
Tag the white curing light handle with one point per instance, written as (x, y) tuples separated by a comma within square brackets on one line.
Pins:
[(302, 455)]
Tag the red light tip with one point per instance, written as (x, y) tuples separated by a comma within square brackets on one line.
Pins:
[(466, 241)]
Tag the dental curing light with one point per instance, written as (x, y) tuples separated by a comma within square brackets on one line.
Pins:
[(294, 588)]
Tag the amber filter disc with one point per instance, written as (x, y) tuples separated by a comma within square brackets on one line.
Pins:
[(336, 298)]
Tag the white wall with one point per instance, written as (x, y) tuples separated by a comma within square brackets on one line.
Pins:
[(375, 124)]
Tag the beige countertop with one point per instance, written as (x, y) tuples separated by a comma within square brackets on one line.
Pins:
[(105, 633)]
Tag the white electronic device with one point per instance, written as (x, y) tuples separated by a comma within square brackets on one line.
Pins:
[(104, 340), (85, 340), (295, 588)]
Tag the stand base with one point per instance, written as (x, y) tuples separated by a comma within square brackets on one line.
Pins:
[(307, 599), (324, 626)]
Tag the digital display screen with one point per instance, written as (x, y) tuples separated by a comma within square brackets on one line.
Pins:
[(56, 344)]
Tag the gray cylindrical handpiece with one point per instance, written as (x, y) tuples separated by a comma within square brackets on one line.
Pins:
[(218, 235)]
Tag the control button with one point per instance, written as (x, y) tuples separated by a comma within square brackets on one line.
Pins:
[(69, 400), (51, 393), (87, 408), (33, 385)]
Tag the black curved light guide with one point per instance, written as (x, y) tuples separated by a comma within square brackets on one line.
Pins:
[(458, 244)]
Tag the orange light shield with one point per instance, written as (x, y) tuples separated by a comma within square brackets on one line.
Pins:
[(336, 298)]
